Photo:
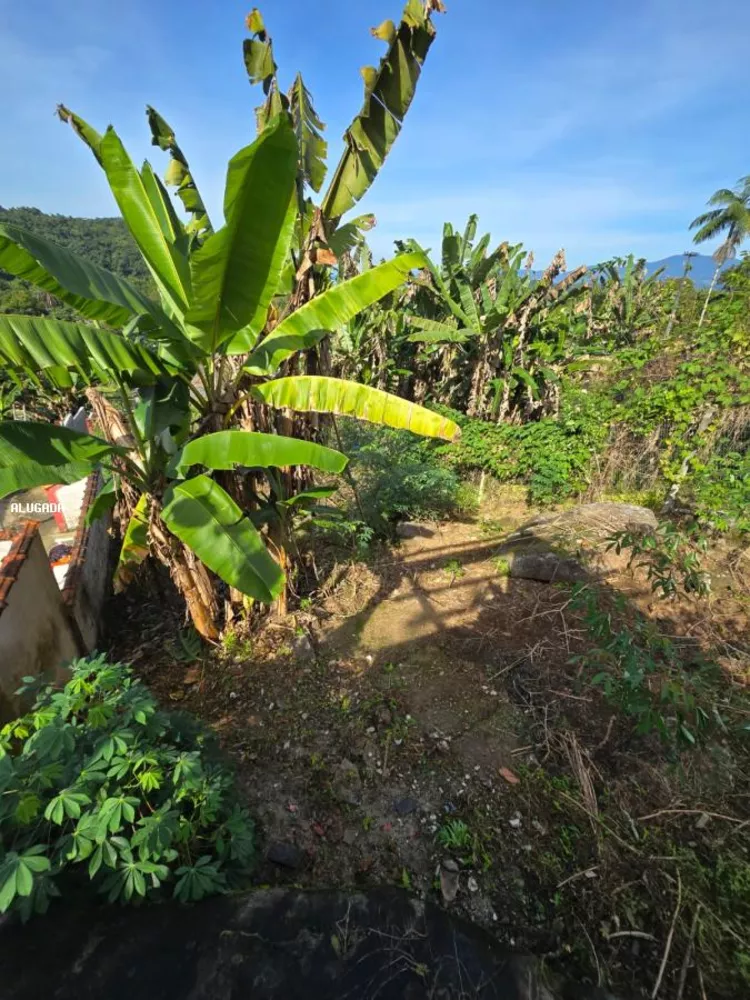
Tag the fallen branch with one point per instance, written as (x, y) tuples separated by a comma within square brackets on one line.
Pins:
[(692, 812), (586, 871), (632, 934), (688, 953), (670, 936)]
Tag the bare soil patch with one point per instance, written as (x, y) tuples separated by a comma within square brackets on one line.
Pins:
[(424, 708)]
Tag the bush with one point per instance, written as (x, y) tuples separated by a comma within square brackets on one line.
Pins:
[(664, 688), (97, 783), (400, 477), (551, 456)]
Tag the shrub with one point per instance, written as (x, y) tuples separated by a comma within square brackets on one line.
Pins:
[(552, 455), (644, 673), (400, 477), (97, 783)]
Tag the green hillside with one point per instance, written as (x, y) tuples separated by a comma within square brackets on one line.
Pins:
[(103, 241)]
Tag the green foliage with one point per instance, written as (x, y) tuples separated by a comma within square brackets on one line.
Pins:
[(454, 835), (400, 477), (718, 875), (454, 569), (106, 242), (99, 785), (552, 456), (691, 397), (671, 558), (667, 689)]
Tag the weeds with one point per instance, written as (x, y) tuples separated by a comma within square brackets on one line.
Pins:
[(454, 569), (644, 674), (502, 565), (454, 835), (671, 558)]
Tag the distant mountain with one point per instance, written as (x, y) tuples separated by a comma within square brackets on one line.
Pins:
[(701, 274)]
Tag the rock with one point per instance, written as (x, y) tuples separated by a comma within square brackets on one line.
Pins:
[(571, 546), (546, 567), (449, 880), (472, 885), (302, 649), (286, 855), (347, 783), (272, 944), (406, 806), (383, 716), (409, 529)]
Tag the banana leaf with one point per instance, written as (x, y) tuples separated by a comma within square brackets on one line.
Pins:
[(318, 394), (203, 516), (228, 449)]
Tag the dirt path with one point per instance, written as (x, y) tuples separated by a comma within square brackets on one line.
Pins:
[(441, 615), (423, 713)]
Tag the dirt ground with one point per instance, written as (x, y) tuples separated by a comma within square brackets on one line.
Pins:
[(420, 721)]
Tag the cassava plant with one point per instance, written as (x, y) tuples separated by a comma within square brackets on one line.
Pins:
[(101, 790)]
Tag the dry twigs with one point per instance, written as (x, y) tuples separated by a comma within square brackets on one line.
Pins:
[(670, 936)]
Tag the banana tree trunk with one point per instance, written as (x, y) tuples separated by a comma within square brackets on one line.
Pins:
[(479, 382), (190, 576), (708, 297), (113, 429)]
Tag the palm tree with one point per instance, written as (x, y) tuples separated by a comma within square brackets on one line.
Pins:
[(732, 218)]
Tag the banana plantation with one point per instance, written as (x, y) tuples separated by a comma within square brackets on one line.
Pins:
[(427, 572)]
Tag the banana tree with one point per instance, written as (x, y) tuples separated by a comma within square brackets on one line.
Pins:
[(321, 238), (494, 316), (625, 299), (184, 366)]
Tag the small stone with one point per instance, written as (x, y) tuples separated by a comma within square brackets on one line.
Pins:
[(409, 529), (347, 783), (286, 855), (369, 660), (383, 716), (515, 822), (405, 806), (472, 884), (233, 695), (302, 649), (449, 880), (350, 836), (539, 827)]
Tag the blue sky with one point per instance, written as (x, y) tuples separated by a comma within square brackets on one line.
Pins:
[(601, 128)]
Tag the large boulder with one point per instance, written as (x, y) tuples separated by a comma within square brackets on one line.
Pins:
[(571, 545)]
